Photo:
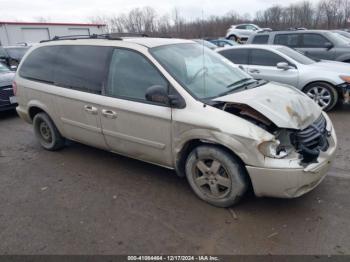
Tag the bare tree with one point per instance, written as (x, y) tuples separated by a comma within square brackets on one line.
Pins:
[(326, 14)]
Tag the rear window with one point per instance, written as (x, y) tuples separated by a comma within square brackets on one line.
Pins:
[(39, 65), (237, 56), (77, 67), (291, 40), (260, 39)]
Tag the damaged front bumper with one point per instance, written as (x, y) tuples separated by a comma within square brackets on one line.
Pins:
[(293, 182)]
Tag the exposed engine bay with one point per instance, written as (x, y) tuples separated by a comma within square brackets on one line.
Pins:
[(308, 142)]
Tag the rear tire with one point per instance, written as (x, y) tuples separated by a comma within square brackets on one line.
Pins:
[(324, 94), (47, 133), (233, 38), (216, 176)]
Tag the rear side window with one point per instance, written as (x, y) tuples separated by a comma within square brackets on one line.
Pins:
[(314, 40), (40, 63), (265, 58), (82, 67), (237, 56), (291, 40), (131, 74), (241, 27), (260, 39)]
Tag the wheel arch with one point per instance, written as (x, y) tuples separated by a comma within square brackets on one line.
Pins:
[(339, 90), (189, 145), (35, 107), (232, 35)]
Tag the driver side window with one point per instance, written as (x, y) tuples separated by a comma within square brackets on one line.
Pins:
[(131, 74), (265, 58)]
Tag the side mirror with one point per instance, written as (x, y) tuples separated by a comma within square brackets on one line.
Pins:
[(283, 66), (328, 45), (160, 94)]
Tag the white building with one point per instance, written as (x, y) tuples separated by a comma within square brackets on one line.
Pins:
[(12, 33)]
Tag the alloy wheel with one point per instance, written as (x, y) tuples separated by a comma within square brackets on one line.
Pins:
[(211, 178), (321, 96)]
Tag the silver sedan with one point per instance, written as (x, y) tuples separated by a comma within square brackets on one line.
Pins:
[(326, 82)]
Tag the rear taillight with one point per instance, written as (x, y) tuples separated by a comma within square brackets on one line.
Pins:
[(14, 87)]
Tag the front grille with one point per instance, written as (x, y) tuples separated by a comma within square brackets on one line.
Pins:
[(311, 140), (5, 93)]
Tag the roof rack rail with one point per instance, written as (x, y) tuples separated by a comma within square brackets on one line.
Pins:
[(128, 35), (110, 36)]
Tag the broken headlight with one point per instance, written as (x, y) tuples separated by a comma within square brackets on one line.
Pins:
[(273, 149)]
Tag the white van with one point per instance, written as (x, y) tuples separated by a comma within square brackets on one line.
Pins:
[(179, 105)]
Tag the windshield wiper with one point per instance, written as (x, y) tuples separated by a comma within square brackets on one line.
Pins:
[(240, 82), (245, 85)]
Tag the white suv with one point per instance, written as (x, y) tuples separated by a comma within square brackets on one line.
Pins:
[(243, 31), (172, 103)]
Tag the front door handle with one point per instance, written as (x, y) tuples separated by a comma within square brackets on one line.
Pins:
[(109, 114), (254, 71), (91, 109)]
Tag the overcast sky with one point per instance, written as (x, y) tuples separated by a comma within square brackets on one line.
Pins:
[(80, 10)]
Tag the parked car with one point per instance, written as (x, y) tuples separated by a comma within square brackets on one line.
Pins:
[(316, 44), (243, 31), (326, 82), (222, 42), (205, 43), (342, 33), (144, 98), (12, 55), (7, 99)]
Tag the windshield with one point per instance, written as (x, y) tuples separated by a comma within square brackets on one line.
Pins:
[(17, 52), (337, 39), (3, 68), (295, 55), (204, 73)]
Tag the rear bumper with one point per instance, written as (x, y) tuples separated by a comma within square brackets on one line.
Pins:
[(23, 113), (292, 182)]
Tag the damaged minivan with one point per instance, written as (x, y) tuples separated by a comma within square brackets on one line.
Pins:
[(177, 104)]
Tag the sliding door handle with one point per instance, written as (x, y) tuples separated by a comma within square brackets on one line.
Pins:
[(91, 109), (109, 114)]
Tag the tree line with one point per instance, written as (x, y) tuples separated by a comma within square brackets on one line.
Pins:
[(326, 14)]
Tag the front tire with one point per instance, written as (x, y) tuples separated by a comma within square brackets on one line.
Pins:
[(216, 176), (324, 94), (47, 133)]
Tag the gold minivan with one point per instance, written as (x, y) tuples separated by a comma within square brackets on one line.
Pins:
[(177, 104)]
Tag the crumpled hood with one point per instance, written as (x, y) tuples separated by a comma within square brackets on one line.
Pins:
[(6, 78), (285, 106)]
